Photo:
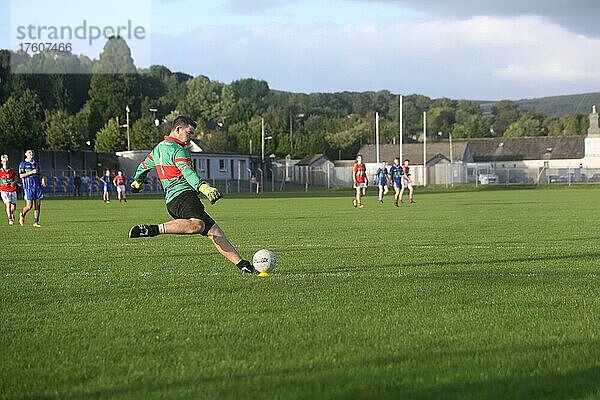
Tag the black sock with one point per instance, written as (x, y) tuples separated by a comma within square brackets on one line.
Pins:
[(152, 230)]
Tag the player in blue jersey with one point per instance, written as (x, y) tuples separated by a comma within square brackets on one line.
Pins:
[(381, 177), (106, 183), (396, 179), (33, 184)]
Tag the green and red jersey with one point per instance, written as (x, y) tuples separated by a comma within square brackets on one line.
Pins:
[(173, 165), (8, 180)]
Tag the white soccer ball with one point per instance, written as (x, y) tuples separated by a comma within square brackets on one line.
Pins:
[(264, 260)]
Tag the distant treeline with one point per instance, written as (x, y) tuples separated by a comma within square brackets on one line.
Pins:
[(561, 105), (65, 111)]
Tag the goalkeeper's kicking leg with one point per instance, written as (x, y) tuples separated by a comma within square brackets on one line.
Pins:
[(195, 226), (190, 218)]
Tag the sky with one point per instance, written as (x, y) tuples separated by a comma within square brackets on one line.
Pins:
[(463, 49)]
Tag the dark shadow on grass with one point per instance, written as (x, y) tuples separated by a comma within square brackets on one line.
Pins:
[(570, 385), (520, 242), (502, 261), (411, 265), (331, 381), (92, 221)]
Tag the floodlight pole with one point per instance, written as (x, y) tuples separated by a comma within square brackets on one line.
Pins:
[(262, 146), (377, 137), (400, 127), (424, 148), (128, 142), (451, 167), (153, 111)]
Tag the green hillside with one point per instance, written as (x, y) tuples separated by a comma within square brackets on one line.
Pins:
[(561, 105)]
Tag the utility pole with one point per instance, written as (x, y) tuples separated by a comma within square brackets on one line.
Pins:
[(291, 142)]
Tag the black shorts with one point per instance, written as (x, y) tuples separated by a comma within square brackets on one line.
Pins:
[(187, 205)]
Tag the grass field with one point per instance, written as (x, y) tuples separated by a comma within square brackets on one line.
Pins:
[(471, 295)]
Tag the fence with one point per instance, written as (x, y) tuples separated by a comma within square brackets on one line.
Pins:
[(61, 182), (328, 176)]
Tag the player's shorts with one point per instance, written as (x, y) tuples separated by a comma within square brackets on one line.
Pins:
[(397, 185), (121, 189), (382, 182), (407, 184), (360, 185), (187, 205), (9, 197), (33, 194), (106, 188)]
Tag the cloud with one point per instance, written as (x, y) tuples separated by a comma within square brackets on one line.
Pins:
[(254, 6), (476, 58), (575, 15)]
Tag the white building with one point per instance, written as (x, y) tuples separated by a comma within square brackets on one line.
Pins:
[(210, 166)]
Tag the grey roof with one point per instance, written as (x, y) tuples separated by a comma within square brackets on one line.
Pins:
[(311, 159), (484, 150), (527, 148), (414, 152), (344, 163)]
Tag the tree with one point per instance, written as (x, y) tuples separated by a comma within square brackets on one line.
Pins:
[(249, 98), (60, 79), (61, 133), (388, 131), (21, 121), (110, 139), (349, 137), (471, 125), (209, 101), (413, 108), (505, 112), (249, 88), (215, 141), (246, 132), (114, 85), (5, 75), (81, 126), (526, 126), (553, 126), (175, 90), (144, 134), (575, 124), (440, 119)]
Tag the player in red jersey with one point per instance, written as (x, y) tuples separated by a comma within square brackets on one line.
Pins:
[(119, 182), (406, 182), (8, 189), (359, 176)]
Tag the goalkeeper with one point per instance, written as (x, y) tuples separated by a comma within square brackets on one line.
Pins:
[(182, 185)]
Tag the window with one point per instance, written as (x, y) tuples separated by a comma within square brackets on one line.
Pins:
[(201, 165), (222, 165)]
